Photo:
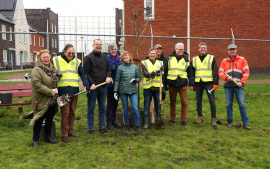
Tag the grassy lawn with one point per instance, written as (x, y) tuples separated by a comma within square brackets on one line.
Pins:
[(195, 146)]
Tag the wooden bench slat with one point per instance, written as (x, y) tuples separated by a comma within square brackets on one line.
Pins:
[(16, 87), (15, 104), (21, 94)]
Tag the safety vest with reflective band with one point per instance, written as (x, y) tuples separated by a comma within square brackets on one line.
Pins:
[(69, 71), (177, 68), (238, 69), (203, 70), (147, 82)]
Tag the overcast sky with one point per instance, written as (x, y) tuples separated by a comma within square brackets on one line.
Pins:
[(77, 7)]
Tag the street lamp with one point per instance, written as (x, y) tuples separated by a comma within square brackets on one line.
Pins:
[(82, 48)]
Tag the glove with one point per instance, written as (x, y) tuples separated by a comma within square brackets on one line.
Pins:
[(114, 68), (133, 81), (163, 93), (215, 87), (115, 95), (153, 74), (87, 88)]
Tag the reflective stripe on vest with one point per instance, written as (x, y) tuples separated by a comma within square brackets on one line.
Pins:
[(203, 70), (69, 71), (177, 68), (147, 82)]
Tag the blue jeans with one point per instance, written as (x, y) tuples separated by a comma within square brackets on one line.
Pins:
[(240, 96), (147, 100), (100, 94), (134, 102)]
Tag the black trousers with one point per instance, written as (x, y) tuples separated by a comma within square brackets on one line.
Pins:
[(200, 87), (48, 123), (111, 106)]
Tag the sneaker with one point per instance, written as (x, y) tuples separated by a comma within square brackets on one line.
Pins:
[(247, 127), (229, 124), (90, 132), (184, 123), (103, 131), (138, 129), (170, 122)]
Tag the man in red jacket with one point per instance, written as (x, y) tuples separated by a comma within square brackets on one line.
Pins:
[(237, 68)]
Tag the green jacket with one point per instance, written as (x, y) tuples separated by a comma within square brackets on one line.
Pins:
[(124, 74), (41, 91)]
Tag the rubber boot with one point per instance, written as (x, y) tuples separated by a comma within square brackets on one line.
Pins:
[(200, 120), (110, 126), (145, 119), (214, 122)]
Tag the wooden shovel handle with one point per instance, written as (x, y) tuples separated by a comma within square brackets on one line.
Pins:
[(104, 83), (234, 80)]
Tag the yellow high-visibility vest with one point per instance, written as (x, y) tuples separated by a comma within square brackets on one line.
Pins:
[(147, 82), (177, 68), (203, 70), (69, 71)]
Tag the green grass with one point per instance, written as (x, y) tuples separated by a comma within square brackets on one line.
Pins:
[(195, 146), (3, 75)]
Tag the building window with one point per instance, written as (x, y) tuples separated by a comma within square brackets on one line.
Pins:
[(25, 57), (4, 35), (55, 44), (149, 9), (39, 41), (42, 42), (52, 27), (10, 35), (34, 40), (52, 43), (4, 55)]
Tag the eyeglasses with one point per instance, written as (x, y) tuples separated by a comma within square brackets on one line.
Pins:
[(71, 53), (181, 49), (113, 49)]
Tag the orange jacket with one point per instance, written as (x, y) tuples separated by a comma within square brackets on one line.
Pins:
[(236, 68)]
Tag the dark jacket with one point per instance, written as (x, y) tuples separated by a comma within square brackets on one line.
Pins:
[(73, 90), (214, 71), (179, 82), (113, 67), (161, 58), (96, 67), (124, 74)]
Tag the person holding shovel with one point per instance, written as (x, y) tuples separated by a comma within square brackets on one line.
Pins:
[(127, 75), (234, 70), (206, 78), (178, 74), (71, 69), (97, 69), (44, 80), (151, 69)]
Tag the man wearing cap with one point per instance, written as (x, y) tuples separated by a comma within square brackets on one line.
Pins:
[(206, 78), (237, 68), (178, 74)]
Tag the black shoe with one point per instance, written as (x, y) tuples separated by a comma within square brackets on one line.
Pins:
[(35, 143), (184, 123), (247, 127), (90, 132), (170, 122), (229, 124), (110, 126), (103, 131), (50, 140), (115, 124)]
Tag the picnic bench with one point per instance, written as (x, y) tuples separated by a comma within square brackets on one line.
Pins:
[(17, 91)]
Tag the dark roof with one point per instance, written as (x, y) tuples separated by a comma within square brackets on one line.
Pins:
[(3, 18), (32, 28), (7, 8)]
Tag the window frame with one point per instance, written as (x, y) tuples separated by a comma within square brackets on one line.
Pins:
[(4, 55), (152, 18), (4, 29), (10, 35)]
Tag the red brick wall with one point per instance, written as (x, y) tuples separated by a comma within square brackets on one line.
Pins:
[(209, 19), (35, 46)]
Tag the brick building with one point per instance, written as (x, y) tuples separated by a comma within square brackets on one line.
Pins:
[(209, 19), (41, 18)]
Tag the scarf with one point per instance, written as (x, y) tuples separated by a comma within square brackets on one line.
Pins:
[(53, 74), (114, 58)]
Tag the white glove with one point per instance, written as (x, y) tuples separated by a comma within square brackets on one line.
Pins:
[(115, 96)]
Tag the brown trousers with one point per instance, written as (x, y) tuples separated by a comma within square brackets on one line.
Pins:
[(68, 115), (184, 102)]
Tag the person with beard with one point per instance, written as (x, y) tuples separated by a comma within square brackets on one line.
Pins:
[(178, 74), (206, 78)]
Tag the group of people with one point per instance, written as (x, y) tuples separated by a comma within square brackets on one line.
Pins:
[(61, 77)]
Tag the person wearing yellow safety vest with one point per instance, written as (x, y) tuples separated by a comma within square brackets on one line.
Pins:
[(151, 69), (178, 74), (71, 68), (206, 78)]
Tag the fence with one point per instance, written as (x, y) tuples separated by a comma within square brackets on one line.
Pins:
[(18, 50)]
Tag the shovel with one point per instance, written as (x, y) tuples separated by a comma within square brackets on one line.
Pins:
[(63, 100), (160, 123)]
